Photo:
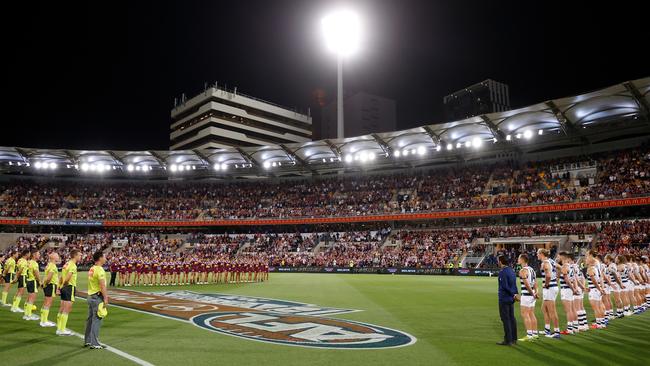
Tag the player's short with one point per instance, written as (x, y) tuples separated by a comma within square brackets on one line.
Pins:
[(67, 293), (595, 295), (528, 301), (608, 289), (49, 290), (22, 281), (639, 287), (549, 294), (31, 287), (9, 277), (566, 294), (615, 288), (629, 286), (579, 295)]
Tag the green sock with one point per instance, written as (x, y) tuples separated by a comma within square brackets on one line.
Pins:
[(28, 309), (64, 321), (44, 314), (16, 303), (4, 297)]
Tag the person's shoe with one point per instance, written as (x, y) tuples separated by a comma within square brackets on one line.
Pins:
[(65, 332), (6, 305), (101, 346), (86, 345), (51, 324), (47, 324), (504, 343), (556, 336), (33, 318), (565, 332), (25, 317), (594, 326)]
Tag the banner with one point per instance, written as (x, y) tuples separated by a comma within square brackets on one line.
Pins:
[(65, 222), (389, 270)]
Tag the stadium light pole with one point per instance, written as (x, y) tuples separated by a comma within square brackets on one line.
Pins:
[(342, 31)]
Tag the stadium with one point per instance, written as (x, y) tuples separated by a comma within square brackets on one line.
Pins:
[(375, 249)]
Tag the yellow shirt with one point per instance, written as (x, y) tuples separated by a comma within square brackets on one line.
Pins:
[(70, 268), (10, 265), (51, 268), (96, 274), (32, 269), (22, 266)]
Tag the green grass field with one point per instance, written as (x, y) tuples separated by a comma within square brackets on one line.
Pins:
[(455, 321)]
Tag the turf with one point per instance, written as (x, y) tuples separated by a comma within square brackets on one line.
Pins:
[(455, 321)]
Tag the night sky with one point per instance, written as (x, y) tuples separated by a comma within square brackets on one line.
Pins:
[(104, 75)]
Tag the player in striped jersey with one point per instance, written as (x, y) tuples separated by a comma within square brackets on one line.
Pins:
[(578, 299), (615, 284), (637, 301), (639, 288), (567, 290), (646, 267), (549, 292), (623, 271), (528, 298), (596, 291), (607, 286)]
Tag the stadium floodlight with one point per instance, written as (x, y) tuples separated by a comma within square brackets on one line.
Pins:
[(540, 132), (363, 157), (217, 166), (371, 156), (342, 32), (439, 147), (397, 153), (468, 143), (528, 134), (224, 167), (518, 135), (477, 142), (459, 145), (173, 167), (267, 164), (37, 165), (53, 166), (405, 152), (348, 158), (422, 150), (138, 168), (130, 167), (145, 168), (450, 146), (84, 167), (508, 138)]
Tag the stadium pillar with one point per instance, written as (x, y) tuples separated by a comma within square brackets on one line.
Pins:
[(340, 131)]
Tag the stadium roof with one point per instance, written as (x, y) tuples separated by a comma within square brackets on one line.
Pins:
[(544, 123)]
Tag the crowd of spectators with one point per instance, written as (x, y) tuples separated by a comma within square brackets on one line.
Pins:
[(620, 174)]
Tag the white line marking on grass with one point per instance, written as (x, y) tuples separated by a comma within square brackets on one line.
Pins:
[(121, 353)]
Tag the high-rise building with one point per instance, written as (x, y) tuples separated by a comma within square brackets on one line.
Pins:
[(220, 118), (363, 114), (488, 96)]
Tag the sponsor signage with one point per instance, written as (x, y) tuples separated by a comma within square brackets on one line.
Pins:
[(390, 270), (65, 222), (267, 320)]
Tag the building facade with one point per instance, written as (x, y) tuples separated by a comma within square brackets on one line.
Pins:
[(363, 114), (219, 118), (488, 96)]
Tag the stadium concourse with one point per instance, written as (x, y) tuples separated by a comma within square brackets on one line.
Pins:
[(246, 251)]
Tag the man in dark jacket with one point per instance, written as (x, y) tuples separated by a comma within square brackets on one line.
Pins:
[(508, 294)]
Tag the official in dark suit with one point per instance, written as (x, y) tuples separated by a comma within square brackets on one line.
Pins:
[(508, 295)]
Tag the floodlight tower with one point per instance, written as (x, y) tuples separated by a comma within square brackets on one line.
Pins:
[(342, 32)]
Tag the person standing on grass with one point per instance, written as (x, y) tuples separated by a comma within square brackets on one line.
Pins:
[(97, 295), (68, 287), (508, 294), (50, 288)]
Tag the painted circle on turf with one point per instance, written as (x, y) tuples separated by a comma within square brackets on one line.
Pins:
[(304, 331)]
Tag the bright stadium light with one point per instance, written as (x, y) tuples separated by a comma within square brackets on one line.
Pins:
[(477, 142), (450, 146), (224, 167), (217, 167), (371, 156), (528, 134), (84, 167), (459, 145), (508, 138), (267, 164), (468, 143), (540, 132), (53, 166), (173, 167), (342, 33), (37, 165), (439, 147), (348, 158), (397, 153), (130, 167), (422, 150), (146, 168)]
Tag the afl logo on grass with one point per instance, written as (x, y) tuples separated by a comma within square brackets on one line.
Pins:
[(267, 320), (306, 331)]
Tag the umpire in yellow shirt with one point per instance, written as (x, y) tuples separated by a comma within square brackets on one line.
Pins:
[(96, 295)]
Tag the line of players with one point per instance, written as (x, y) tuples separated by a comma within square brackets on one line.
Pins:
[(625, 277), (148, 272), (21, 268)]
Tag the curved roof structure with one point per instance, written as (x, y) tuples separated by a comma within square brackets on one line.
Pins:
[(613, 109)]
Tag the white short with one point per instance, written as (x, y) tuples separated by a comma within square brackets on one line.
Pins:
[(639, 287), (628, 286), (550, 293), (566, 294), (579, 296), (615, 288), (608, 289), (595, 295), (528, 301)]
